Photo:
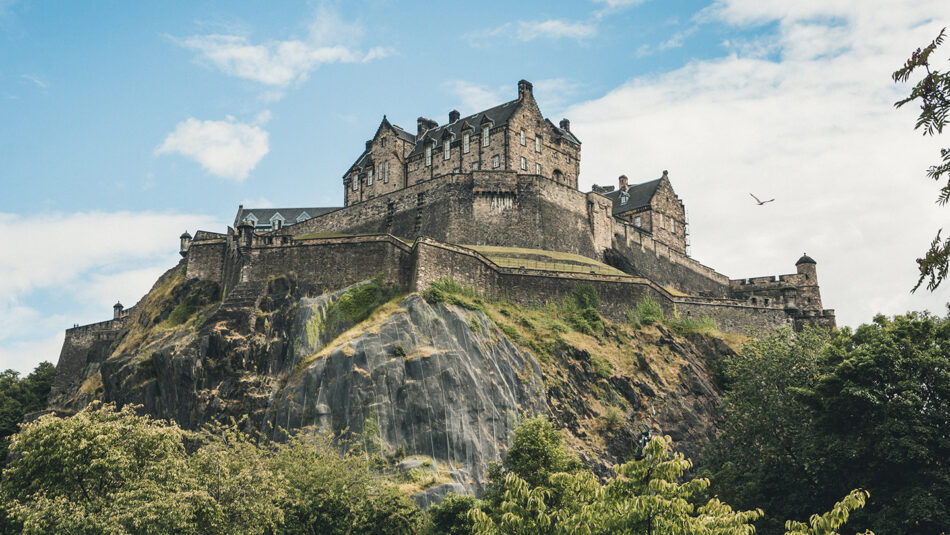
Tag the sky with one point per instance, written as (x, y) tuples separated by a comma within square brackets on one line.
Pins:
[(123, 124)]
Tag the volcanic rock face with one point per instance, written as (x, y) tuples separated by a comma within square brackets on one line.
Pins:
[(429, 384)]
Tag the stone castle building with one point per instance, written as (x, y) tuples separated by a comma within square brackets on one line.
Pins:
[(492, 200)]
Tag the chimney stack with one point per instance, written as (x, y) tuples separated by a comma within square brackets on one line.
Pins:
[(369, 143), (524, 89), (666, 174), (454, 116), (623, 182), (565, 125), (423, 125)]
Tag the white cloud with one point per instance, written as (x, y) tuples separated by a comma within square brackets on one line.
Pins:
[(39, 83), (228, 149), (87, 260), (620, 3), (280, 63), (474, 97), (554, 29), (815, 129)]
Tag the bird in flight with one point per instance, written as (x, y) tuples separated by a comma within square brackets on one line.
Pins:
[(760, 202)]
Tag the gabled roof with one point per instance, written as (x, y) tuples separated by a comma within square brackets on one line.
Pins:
[(640, 196), (497, 116), (290, 215), (563, 133)]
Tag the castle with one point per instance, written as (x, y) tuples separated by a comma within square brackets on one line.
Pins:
[(492, 201)]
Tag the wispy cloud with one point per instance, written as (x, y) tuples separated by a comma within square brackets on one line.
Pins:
[(537, 29), (812, 124), (676, 40), (474, 97), (280, 63), (39, 83), (228, 149)]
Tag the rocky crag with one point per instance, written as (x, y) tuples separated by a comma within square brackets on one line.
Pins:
[(432, 383)]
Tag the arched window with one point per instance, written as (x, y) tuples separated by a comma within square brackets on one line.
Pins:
[(558, 175)]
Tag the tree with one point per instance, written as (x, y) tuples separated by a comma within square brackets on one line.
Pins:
[(933, 91), (19, 397), (450, 516)]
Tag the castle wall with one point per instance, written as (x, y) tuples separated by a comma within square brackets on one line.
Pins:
[(83, 347), (735, 316), (205, 259)]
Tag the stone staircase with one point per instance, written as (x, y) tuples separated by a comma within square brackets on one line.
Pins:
[(240, 304)]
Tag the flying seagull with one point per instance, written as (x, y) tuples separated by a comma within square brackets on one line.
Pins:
[(760, 202)]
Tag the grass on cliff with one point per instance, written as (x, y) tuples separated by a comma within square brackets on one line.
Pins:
[(518, 257), (649, 312)]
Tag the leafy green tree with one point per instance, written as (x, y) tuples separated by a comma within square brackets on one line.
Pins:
[(330, 493), (933, 92), (100, 471), (19, 397), (450, 516), (882, 408), (830, 522)]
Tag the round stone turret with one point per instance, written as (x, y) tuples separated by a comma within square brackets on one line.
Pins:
[(185, 243), (117, 310), (805, 259)]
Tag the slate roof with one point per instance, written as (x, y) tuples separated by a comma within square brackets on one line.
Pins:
[(498, 116), (640, 196), (263, 215)]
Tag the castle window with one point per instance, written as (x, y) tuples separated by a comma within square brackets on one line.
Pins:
[(386, 172), (465, 142), (754, 301), (356, 182), (429, 155), (537, 144), (524, 164), (537, 169), (474, 166), (522, 138), (661, 221), (624, 197), (447, 149), (636, 221), (369, 177), (558, 175), (568, 158), (673, 227), (485, 136), (496, 161)]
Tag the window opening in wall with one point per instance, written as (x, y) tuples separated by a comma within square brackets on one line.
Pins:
[(429, 155), (522, 138), (636, 221), (369, 177), (448, 149), (496, 161), (524, 164), (754, 301), (624, 197), (558, 175), (485, 136), (568, 158), (673, 226), (537, 169), (537, 144), (661, 221), (356, 182), (766, 301), (465, 142), (386, 172), (474, 166)]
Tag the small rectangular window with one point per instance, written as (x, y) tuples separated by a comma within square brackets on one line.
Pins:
[(485, 135), (447, 149), (496, 161), (369, 177), (429, 155), (537, 169), (636, 221), (474, 166), (386, 172), (537, 144), (673, 226), (356, 182), (465, 142), (661, 220), (522, 138), (524, 164)]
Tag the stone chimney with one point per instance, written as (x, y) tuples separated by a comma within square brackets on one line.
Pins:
[(524, 89), (666, 174), (454, 116), (622, 186), (117, 310), (424, 125), (565, 125), (185, 243), (369, 143)]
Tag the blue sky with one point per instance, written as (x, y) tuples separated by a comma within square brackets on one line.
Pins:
[(124, 123)]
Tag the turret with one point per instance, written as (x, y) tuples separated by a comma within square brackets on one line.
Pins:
[(245, 233), (806, 266), (117, 310), (809, 296), (185, 243)]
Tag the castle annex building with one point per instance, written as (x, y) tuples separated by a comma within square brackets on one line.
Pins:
[(491, 200)]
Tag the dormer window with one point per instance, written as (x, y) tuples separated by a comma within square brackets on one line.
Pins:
[(465, 142), (356, 182), (303, 217), (624, 197), (537, 144), (428, 155), (522, 138), (447, 149), (485, 135), (277, 221)]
